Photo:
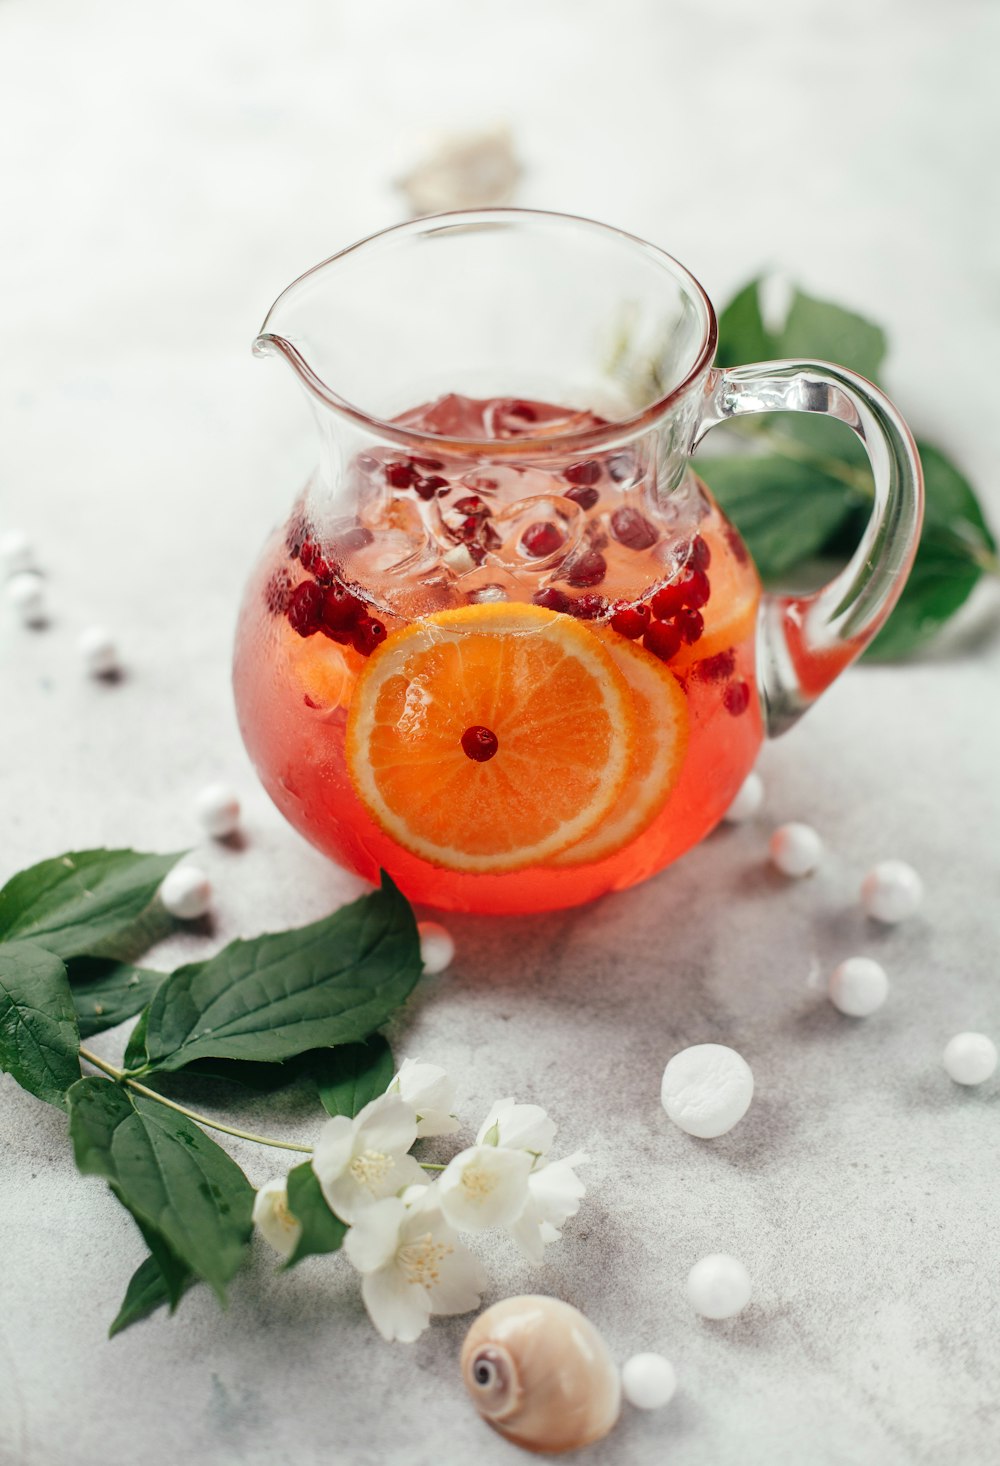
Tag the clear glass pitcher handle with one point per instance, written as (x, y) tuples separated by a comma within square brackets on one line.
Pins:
[(805, 641)]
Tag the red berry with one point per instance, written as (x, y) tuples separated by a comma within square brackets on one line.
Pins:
[(340, 608), (491, 538), (400, 475), (588, 608), (717, 668), (343, 636), (541, 539), (368, 634), (583, 473), (632, 529), (552, 599), (278, 592), (663, 639), (323, 569), (305, 608), (307, 551), (631, 621), (697, 589), (468, 529), (479, 744), (667, 602), (298, 533), (430, 465), (587, 569), (586, 498), (691, 624), (736, 698), (472, 504), (736, 544), (428, 487), (701, 555)]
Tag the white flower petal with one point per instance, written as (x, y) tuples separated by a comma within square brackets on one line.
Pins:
[(556, 1189), (484, 1187), (273, 1219), (372, 1241), (385, 1124), (526, 1232), (462, 1280), (332, 1151), (519, 1127), (371, 1176), (398, 1309), (432, 1095)]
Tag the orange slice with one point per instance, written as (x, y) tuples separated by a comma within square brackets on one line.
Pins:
[(322, 670), (731, 612), (555, 702), (658, 749)]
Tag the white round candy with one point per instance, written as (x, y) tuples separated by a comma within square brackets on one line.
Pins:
[(719, 1286), (186, 892), (437, 947), (707, 1089), (99, 652), (26, 593), (218, 810), (648, 1381), (970, 1058), (749, 798), (891, 891), (16, 552), (858, 987), (796, 849)]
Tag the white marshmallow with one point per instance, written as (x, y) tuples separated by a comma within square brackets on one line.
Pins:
[(16, 552), (970, 1058), (99, 652), (707, 1089), (26, 593), (796, 850), (648, 1381), (186, 892), (437, 947), (719, 1286), (858, 987), (891, 891), (748, 801), (218, 810)]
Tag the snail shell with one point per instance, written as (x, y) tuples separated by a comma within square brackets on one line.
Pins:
[(541, 1374)]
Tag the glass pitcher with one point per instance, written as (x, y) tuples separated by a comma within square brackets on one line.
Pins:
[(506, 646)]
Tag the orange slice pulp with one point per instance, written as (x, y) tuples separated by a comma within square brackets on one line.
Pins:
[(560, 714)]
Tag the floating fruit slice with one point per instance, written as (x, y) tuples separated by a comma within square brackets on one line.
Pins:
[(323, 671), (491, 737), (658, 749), (731, 611)]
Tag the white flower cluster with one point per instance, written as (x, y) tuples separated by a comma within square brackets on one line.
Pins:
[(403, 1228)]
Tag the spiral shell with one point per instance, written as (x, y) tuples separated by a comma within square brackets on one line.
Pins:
[(541, 1374)]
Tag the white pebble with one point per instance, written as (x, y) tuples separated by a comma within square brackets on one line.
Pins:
[(970, 1058), (218, 810), (26, 593), (437, 947), (858, 987), (16, 552), (796, 849), (707, 1089), (719, 1286), (648, 1381), (186, 892), (749, 798), (891, 891), (99, 652)]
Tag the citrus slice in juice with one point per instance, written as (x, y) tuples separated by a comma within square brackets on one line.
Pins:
[(322, 671), (491, 737), (731, 612), (658, 749)]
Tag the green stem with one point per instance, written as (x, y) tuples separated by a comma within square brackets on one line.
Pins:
[(432, 1166), (122, 1078)]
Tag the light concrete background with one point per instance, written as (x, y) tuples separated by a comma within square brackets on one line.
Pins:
[(165, 171)]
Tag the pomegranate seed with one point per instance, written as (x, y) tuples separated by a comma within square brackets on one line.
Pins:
[(476, 553), (736, 544), (631, 621), (691, 624), (428, 487), (663, 639), (472, 504), (668, 601), (589, 568), (305, 608), (298, 533), (479, 744), (701, 555), (278, 592), (492, 539), (400, 475), (588, 608), (583, 473), (736, 698), (368, 634), (632, 529), (622, 466), (586, 498), (343, 636), (552, 599), (717, 668), (697, 589), (468, 529), (340, 608), (432, 465), (541, 539), (324, 570), (307, 551)]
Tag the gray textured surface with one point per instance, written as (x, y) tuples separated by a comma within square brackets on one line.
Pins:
[(170, 172)]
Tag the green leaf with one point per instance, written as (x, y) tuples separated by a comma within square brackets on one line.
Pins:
[(135, 1050), (784, 510), (190, 1200), (147, 1291), (743, 337), (39, 1039), (350, 1075), (827, 332), (951, 502), (278, 995), (74, 902), (106, 993), (321, 1230), (942, 578)]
